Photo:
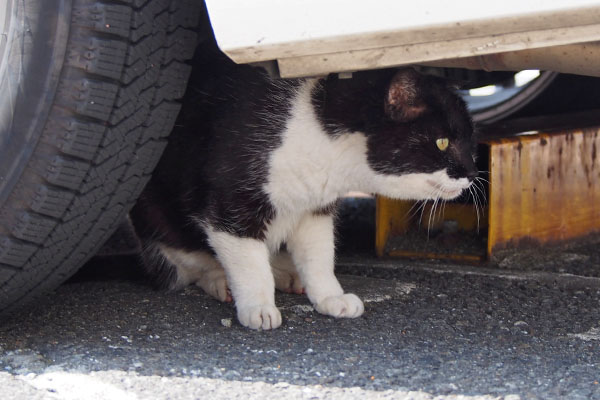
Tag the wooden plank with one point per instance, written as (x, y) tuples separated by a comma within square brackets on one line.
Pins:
[(544, 187)]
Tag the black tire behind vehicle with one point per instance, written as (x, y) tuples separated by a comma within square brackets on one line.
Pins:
[(90, 90)]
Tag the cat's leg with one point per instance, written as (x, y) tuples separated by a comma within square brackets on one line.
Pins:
[(312, 249), (246, 264), (197, 267), (285, 274)]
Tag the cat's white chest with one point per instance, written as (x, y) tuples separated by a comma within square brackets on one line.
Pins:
[(279, 230), (311, 169)]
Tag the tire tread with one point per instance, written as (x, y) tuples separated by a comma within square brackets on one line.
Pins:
[(117, 99)]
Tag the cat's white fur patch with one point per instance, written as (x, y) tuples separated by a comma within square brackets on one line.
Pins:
[(312, 248), (310, 169), (279, 229), (246, 264)]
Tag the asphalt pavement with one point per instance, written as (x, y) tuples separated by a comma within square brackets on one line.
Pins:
[(430, 330)]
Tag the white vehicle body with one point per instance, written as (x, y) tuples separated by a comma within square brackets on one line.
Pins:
[(315, 37)]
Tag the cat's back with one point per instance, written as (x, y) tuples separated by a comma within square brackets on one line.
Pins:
[(224, 88), (233, 117)]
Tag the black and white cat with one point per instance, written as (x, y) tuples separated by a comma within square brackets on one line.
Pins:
[(257, 163)]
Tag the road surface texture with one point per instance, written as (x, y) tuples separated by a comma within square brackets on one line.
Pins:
[(429, 331)]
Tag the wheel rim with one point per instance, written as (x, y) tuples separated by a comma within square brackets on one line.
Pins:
[(30, 65), (503, 100)]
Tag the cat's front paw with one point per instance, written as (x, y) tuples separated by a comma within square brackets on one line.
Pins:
[(264, 316), (345, 306)]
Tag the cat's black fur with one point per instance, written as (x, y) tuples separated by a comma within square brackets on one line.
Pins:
[(216, 163), (216, 160)]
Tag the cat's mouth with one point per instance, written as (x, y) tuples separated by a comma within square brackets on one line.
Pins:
[(445, 192)]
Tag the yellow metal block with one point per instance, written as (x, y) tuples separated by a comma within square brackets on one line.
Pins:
[(397, 217), (543, 187), (391, 218)]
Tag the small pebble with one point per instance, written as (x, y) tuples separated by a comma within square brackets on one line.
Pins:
[(226, 322)]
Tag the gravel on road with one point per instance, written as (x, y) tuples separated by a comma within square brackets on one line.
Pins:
[(429, 331)]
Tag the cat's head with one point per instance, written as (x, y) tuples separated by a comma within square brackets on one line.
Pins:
[(424, 146)]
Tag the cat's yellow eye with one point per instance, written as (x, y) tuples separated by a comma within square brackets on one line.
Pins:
[(442, 143)]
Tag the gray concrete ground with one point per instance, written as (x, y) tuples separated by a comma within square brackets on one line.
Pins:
[(429, 331)]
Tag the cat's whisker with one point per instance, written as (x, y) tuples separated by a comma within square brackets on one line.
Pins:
[(443, 212), (432, 211), (420, 208), (429, 220), (431, 195), (440, 208), (482, 183), (478, 178), (409, 215), (480, 212), (424, 203), (480, 188), (475, 202), (480, 200)]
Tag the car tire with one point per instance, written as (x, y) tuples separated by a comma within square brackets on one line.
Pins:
[(90, 90)]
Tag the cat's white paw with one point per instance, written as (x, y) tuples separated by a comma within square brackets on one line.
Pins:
[(345, 306), (214, 282), (264, 316)]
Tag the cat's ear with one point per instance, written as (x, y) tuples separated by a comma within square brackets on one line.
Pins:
[(402, 101)]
